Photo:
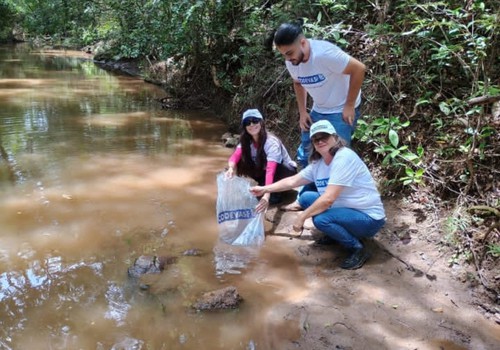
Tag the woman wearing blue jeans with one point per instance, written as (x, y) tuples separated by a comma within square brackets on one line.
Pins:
[(346, 204)]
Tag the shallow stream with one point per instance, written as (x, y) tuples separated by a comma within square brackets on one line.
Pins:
[(93, 174)]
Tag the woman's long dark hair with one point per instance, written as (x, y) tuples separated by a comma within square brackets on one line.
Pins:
[(339, 143), (246, 166)]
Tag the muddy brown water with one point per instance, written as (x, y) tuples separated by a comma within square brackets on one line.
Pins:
[(93, 174)]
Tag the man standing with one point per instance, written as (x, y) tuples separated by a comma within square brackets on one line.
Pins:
[(332, 78)]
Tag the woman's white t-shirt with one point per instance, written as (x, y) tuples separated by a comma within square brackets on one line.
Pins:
[(347, 170), (275, 152)]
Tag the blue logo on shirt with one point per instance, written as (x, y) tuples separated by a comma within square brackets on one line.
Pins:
[(322, 182), (312, 79)]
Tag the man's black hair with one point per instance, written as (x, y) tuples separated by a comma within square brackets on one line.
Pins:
[(287, 33)]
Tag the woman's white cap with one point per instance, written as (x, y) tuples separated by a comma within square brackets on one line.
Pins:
[(322, 126), (251, 113)]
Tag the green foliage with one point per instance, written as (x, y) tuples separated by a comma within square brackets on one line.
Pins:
[(454, 227), (56, 18), (383, 134), (333, 32), (494, 250), (7, 19), (454, 224), (431, 58), (459, 256)]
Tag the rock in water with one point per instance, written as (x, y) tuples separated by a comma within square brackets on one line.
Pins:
[(148, 264), (192, 252), (225, 298)]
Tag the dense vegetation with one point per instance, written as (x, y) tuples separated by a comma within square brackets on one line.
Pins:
[(427, 62)]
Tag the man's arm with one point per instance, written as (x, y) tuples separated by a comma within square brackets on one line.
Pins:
[(301, 96), (356, 70)]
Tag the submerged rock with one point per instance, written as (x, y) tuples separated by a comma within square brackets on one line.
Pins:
[(149, 264), (192, 252), (225, 298), (128, 343), (230, 140)]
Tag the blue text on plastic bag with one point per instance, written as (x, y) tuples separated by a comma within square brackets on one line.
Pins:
[(238, 222)]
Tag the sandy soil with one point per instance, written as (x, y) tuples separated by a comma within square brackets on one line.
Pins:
[(405, 297)]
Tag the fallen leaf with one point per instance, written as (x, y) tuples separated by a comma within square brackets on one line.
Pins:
[(67, 196)]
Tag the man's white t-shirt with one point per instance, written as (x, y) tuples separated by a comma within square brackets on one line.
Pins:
[(322, 76), (347, 170)]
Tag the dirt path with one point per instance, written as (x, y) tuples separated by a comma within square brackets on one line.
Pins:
[(405, 297)]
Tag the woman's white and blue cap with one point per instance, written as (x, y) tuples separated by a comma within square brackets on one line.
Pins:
[(322, 126), (251, 113)]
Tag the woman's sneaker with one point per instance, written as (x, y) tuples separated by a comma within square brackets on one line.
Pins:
[(324, 240), (357, 258)]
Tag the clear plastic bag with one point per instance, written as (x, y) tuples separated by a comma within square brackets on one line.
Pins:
[(238, 222)]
